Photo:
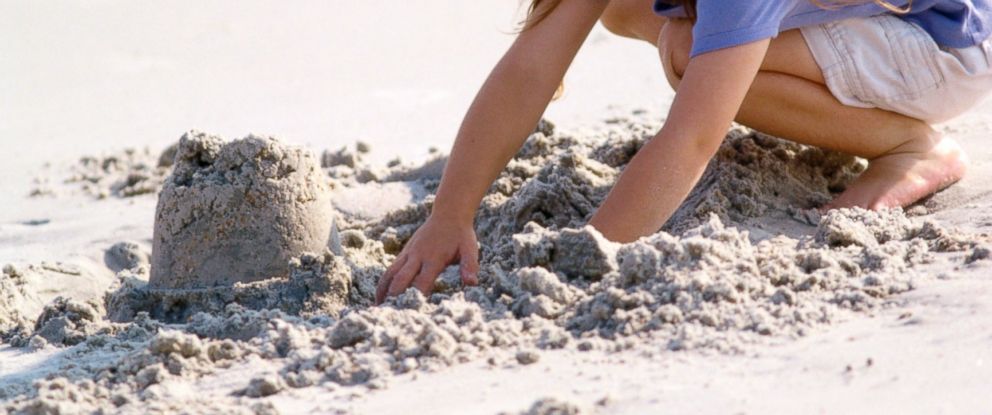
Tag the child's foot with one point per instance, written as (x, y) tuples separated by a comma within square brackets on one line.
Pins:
[(905, 175)]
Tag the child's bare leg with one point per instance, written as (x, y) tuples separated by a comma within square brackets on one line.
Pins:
[(908, 159), (632, 19)]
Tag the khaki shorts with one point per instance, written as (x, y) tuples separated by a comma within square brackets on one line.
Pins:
[(886, 62)]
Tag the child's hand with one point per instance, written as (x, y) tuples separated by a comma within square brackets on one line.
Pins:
[(437, 244), (503, 114)]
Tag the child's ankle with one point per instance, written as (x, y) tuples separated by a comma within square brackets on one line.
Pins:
[(922, 140)]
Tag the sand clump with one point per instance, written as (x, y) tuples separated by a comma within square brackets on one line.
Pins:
[(67, 322), (128, 173), (238, 212), (718, 277), (12, 299), (126, 255), (552, 406)]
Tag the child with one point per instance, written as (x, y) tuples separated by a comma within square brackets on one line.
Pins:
[(866, 78)]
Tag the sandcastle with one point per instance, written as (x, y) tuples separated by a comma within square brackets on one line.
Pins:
[(238, 212)]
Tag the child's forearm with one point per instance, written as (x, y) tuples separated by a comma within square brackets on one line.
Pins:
[(651, 187), (660, 176), (506, 109), (510, 104)]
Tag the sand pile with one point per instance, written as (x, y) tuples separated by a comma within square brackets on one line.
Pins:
[(246, 221), (551, 406), (127, 173), (12, 299), (714, 280), (238, 212)]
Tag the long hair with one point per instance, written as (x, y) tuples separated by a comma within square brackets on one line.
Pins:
[(537, 12)]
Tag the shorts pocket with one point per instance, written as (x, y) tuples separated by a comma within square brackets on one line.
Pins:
[(905, 65)]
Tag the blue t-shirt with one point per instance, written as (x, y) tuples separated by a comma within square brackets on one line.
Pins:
[(722, 24)]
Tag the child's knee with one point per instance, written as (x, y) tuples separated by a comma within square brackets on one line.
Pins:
[(674, 46), (618, 17), (630, 18)]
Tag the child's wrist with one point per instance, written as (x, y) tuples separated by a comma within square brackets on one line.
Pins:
[(453, 215)]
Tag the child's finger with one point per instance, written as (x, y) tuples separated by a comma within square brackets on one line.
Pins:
[(387, 278), (424, 281), (401, 281), (469, 264)]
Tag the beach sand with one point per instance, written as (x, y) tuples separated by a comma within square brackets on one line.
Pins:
[(748, 302)]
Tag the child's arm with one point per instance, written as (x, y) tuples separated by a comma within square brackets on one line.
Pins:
[(660, 176), (504, 112)]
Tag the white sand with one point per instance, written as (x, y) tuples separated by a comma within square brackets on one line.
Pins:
[(96, 77)]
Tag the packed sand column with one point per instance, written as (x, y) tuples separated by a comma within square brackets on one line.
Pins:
[(238, 212)]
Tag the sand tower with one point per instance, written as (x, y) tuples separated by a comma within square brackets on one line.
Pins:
[(238, 212)]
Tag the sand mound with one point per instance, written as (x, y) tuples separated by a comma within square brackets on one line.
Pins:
[(123, 174), (551, 406), (238, 212), (12, 299), (716, 279)]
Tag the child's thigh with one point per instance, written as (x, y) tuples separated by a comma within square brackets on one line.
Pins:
[(886, 62), (788, 53)]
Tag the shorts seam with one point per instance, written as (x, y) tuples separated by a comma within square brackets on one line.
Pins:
[(922, 42), (932, 61), (838, 38), (826, 55)]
